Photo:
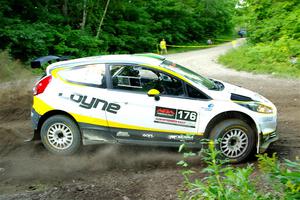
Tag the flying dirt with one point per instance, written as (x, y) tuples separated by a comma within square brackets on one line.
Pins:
[(28, 171)]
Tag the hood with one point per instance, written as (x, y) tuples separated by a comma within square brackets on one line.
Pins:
[(237, 93)]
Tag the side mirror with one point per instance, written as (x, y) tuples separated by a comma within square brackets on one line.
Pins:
[(154, 93)]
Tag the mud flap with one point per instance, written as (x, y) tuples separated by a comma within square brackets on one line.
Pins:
[(36, 137)]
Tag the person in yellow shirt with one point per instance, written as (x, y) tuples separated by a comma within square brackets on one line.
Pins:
[(163, 47)]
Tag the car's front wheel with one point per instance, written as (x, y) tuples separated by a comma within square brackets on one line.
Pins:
[(234, 138), (61, 135)]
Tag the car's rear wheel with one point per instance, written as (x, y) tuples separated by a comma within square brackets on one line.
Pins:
[(61, 135), (235, 140)]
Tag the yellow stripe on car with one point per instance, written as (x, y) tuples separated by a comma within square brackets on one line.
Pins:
[(55, 71), (55, 74), (169, 71), (40, 106), (89, 120)]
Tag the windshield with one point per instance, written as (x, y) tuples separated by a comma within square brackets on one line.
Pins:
[(190, 75)]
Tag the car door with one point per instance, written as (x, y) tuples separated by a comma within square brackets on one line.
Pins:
[(172, 117)]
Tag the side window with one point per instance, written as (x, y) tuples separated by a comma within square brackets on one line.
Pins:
[(195, 93), (137, 78), (93, 75), (134, 78), (170, 86)]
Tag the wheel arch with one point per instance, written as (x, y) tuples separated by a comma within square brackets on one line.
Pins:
[(37, 135), (230, 115)]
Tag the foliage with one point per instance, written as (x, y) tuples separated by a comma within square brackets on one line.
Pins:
[(277, 58), (285, 178), (270, 20), (276, 180), (31, 29), (26, 41)]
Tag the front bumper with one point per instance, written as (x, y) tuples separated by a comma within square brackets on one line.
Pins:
[(266, 139), (267, 125)]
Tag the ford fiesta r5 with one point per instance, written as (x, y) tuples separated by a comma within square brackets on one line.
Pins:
[(147, 100)]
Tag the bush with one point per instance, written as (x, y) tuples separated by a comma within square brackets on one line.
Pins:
[(275, 181), (283, 178), (27, 41)]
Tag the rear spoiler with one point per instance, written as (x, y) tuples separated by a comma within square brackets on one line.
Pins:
[(37, 63)]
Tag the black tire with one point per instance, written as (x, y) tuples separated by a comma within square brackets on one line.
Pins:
[(61, 135), (235, 139)]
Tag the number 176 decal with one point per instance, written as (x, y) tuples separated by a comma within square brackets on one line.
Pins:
[(175, 116), (186, 115)]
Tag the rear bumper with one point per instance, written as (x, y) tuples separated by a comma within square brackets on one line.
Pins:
[(35, 118)]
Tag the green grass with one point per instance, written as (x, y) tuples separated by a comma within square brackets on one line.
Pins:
[(272, 58), (11, 69)]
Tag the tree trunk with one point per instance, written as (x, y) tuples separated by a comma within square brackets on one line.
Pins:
[(84, 14), (47, 5), (103, 16), (65, 8)]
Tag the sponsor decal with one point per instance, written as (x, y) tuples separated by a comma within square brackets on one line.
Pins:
[(92, 102), (165, 112), (181, 137), (175, 117), (148, 135), (209, 107), (122, 134)]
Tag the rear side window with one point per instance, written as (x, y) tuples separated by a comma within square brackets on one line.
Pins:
[(92, 75)]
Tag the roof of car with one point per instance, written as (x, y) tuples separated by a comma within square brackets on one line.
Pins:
[(150, 59)]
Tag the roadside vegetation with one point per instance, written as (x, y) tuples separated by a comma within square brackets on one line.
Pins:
[(273, 179), (279, 58), (273, 35)]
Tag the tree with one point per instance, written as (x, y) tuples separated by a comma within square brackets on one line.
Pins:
[(270, 20), (33, 28), (84, 14), (102, 18)]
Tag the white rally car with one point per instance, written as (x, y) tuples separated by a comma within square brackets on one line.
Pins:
[(146, 99)]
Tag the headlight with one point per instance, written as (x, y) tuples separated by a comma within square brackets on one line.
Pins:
[(257, 107)]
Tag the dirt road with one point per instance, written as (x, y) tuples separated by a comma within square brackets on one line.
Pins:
[(27, 171)]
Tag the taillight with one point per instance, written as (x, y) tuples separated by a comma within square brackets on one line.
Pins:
[(41, 85)]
